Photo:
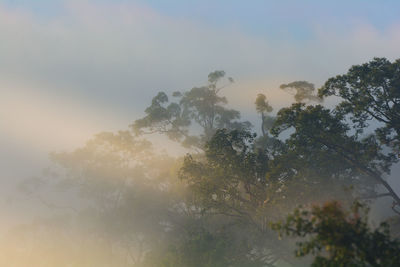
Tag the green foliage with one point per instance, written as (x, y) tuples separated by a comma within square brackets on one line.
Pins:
[(200, 105), (218, 212), (201, 248), (239, 180), (370, 91), (340, 238), (160, 117), (302, 91), (232, 179), (322, 141), (230, 183)]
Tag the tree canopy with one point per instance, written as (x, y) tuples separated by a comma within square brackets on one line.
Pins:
[(370, 91), (302, 91), (222, 205), (201, 105), (337, 237)]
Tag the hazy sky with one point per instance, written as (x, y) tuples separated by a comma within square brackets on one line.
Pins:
[(69, 69)]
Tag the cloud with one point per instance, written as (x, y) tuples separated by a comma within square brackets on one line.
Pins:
[(116, 56), (96, 66)]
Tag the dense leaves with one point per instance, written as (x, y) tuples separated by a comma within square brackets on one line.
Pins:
[(340, 238), (232, 179), (322, 141), (370, 91)]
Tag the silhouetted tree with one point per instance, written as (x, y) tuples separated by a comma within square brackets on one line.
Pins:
[(323, 141), (200, 105), (370, 92), (263, 108), (302, 91)]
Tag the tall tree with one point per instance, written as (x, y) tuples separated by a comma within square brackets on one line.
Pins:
[(322, 140), (200, 105), (263, 108), (302, 91), (253, 186), (370, 92)]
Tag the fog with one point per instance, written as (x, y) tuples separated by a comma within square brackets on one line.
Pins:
[(94, 174)]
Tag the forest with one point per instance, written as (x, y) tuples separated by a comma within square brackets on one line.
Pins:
[(294, 189)]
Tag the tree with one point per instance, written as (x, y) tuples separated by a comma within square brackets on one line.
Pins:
[(263, 108), (123, 195), (218, 212), (248, 184), (323, 141), (200, 105), (204, 248), (302, 91), (231, 181), (370, 92), (337, 237)]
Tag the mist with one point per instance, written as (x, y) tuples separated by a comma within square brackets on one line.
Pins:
[(136, 133)]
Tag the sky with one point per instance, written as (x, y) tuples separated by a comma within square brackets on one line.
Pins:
[(70, 69)]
